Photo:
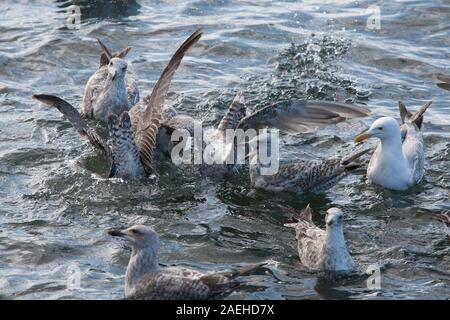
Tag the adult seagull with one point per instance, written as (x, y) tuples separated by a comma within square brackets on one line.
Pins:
[(398, 161)]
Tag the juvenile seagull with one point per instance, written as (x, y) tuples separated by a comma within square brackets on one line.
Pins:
[(320, 249), (145, 279), (300, 116), (395, 164), (301, 176), (131, 151), (112, 88)]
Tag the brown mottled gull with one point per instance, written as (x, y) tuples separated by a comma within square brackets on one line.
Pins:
[(131, 150), (145, 279), (320, 249), (301, 175), (397, 164), (112, 88)]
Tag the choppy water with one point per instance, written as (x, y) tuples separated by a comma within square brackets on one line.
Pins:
[(55, 203)]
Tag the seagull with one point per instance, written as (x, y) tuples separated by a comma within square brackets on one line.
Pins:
[(145, 279), (398, 161), (300, 176), (129, 149), (291, 117), (112, 88), (323, 250)]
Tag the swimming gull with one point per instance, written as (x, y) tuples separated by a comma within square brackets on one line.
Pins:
[(145, 279), (320, 249), (299, 176), (131, 151), (292, 117), (395, 164), (112, 88)]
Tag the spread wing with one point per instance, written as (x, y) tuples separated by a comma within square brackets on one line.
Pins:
[(302, 115), (75, 119), (150, 119)]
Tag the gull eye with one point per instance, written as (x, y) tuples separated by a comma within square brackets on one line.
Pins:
[(134, 231), (124, 69), (380, 128)]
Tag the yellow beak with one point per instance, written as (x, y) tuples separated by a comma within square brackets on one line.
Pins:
[(361, 137)]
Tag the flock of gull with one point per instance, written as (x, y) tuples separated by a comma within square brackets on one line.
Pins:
[(140, 128)]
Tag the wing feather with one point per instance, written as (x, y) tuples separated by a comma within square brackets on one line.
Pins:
[(149, 122), (302, 115), (75, 119)]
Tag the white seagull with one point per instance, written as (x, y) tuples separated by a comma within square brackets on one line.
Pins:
[(397, 164)]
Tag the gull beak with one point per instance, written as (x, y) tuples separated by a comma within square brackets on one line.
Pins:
[(116, 233), (362, 136), (114, 75)]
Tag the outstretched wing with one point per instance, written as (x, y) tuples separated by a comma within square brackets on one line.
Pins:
[(148, 124), (75, 119), (302, 115)]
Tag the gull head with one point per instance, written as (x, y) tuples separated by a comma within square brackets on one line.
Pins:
[(138, 236), (117, 68), (383, 128), (334, 217)]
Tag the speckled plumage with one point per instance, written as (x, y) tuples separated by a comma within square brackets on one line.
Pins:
[(103, 95), (125, 140), (125, 154), (320, 249), (145, 279), (235, 113), (302, 175)]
